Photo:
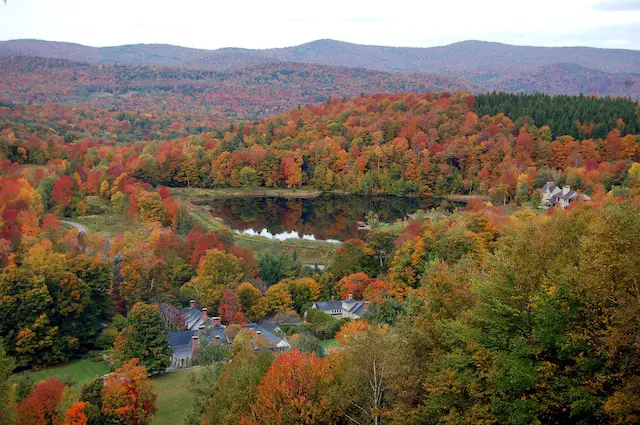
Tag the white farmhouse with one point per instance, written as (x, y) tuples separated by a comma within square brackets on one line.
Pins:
[(343, 309), (553, 195)]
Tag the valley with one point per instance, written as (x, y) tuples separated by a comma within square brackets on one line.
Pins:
[(324, 234)]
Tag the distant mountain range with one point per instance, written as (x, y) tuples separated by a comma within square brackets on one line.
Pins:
[(484, 65)]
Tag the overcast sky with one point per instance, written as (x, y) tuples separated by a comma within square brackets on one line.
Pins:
[(212, 24)]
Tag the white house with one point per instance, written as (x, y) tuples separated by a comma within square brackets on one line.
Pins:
[(553, 195), (343, 309)]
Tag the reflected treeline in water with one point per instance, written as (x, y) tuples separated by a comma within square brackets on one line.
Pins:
[(328, 216)]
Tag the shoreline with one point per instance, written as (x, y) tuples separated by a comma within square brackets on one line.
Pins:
[(196, 195)]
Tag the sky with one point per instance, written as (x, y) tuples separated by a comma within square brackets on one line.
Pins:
[(211, 24)]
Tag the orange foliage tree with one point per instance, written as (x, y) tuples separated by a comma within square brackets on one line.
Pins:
[(76, 414), (295, 390), (128, 395), (354, 284)]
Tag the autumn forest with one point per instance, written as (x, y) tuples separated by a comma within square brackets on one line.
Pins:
[(486, 300)]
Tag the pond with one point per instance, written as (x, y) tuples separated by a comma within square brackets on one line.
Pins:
[(328, 217)]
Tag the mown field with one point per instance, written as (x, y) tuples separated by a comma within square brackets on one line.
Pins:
[(172, 388), (77, 372), (173, 397), (329, 343)]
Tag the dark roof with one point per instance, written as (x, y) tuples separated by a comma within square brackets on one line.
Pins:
[(178, 338), (549, 186), (350, 306), (569, 195), (180, 341), (361, 310), (264, 332), (210, 332), (192, 316), (268, 325), (329, 305)]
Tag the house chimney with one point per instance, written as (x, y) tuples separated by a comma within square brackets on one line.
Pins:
[(218, 339), (192, 303), (350, 296), (566, 189), (216, 321), (194, 345), (205, 315), (200, 329)]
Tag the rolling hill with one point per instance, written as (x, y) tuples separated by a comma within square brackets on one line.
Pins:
[(466, 58), (487, 66), (220, 97), (564, 78)]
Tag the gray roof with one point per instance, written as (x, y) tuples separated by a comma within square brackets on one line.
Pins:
[(268, 325), (192, 316), (181, 341), (569, 195), (329, 305), (177, 338), (182, 351), (360, 310), (273, 339), (211, 332), (350, 306)]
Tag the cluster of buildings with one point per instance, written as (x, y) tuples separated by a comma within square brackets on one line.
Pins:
[(199, 327)]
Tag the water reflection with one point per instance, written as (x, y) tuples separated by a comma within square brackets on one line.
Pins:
[(282, 236), (327, 217)]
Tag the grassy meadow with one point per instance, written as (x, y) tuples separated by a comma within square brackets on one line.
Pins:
[(76, 373), (173, 396)]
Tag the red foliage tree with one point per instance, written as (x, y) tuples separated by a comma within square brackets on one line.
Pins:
[(62, 191), (354, 284), (41, 406), (230, 310)]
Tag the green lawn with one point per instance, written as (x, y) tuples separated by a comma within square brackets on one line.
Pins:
[(109, 223), (78, 372), (173, 397), (329, 343)]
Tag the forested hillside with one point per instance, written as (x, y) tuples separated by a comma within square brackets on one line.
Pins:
[(217, 97), (429, 144), (464, 57), (563, 78), (485, 66), (497, 312)]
